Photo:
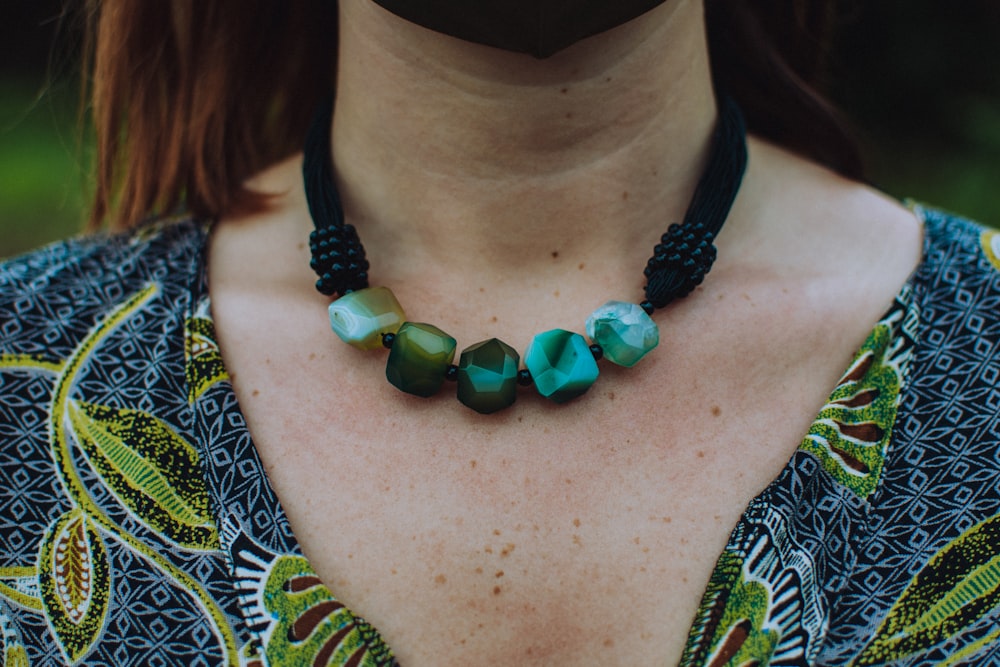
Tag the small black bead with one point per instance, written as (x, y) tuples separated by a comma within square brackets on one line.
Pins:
[(388, 339), (524, 377), (648, 307), (597, 351), (451, 375)]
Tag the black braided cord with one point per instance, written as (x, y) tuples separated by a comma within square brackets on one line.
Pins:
[(338, 257), (687, 250), (679, 263)]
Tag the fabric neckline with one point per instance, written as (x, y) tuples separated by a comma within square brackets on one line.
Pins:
[(272, 530)]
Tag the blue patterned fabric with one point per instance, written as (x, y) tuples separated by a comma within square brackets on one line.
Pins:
[(137, 526)]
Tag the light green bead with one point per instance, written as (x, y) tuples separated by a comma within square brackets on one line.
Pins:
[(624, 331), (360, 318), (487, 376), (561, 364), (419, 359)]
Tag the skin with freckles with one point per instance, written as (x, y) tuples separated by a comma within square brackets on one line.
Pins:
[(499, 195)]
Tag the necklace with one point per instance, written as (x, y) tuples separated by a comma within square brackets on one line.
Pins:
[(560, 364)]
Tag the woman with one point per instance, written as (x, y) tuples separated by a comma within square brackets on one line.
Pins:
[(497, 194)]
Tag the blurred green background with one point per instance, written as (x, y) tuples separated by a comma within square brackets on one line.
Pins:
[(920, 80)]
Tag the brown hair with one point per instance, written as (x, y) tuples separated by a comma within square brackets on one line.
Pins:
[(190, 98), (772, 58)]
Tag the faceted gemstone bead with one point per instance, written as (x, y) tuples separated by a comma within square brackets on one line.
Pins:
[(360, 318), (624, 331), (487, 376), (561, 363), (419, 359)]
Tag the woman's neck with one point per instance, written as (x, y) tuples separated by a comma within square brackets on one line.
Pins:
[(449, 150)]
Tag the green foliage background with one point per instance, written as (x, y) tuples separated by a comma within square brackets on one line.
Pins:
[(920, 80)]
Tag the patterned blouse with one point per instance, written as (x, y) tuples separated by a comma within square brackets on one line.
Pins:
[(137, 526)]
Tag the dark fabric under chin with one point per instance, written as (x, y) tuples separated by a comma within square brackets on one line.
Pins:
[(538, 27)]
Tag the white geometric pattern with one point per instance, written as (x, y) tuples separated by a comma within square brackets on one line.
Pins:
[(941, 476)]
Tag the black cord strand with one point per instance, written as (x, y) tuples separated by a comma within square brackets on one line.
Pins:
[(338, 257), (679, 263), (686, 252)]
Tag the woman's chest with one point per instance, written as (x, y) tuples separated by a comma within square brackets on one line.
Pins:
[(581, 534), (481, 557)]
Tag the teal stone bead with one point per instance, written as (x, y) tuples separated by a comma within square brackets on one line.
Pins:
[(419, 359), (487, 376), (561, 364), (360, 318), (624, 331)]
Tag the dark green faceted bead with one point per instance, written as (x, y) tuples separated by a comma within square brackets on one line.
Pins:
[(419, 359), (561, 364), (487, 376)]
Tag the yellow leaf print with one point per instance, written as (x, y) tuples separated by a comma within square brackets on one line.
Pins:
[(75, 582), (20, 586), (990, 242), (852, 431), (203, 366), (12, 652), (951, 594), (313, 627), (15, 656), (150, 468)]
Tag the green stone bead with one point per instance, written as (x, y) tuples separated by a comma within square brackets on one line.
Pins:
[(360, 318), (419, 359), (624, 331), (561, 364), (487, 376)]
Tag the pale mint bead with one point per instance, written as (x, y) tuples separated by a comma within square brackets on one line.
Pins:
[(624, 331), (360, 318), (561, 364)]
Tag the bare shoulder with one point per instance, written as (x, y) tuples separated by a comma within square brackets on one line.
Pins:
[(817, 212), (799, 223)]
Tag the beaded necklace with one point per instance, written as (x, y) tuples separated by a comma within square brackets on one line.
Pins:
[(560, 364)]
